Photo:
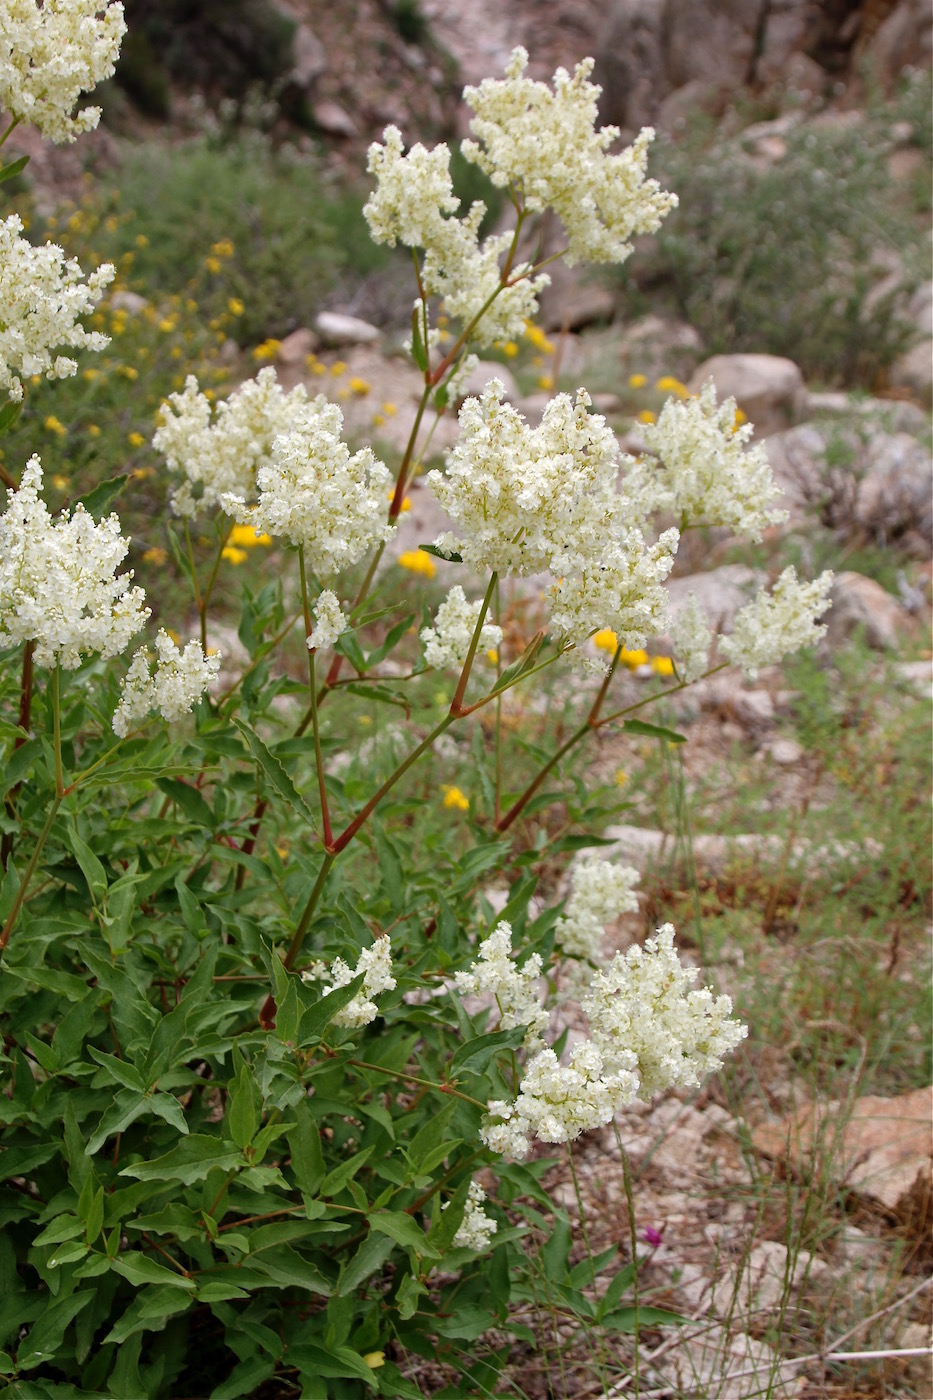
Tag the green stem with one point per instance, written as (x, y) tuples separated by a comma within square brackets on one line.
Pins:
[(57, 731), (456, 704), (12, 127), (24, 720), (28, 873), (197, 591), (414, 1079), (304, 922), (205, 600), (318, 754)]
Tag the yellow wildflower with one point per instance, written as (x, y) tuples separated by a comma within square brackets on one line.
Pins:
[(637, 381), (389, 410), (235, 306), (234, 555), (168, 324), (136, 440), (245, 537), (606, 640), (378, 420), (633, 659), (338, 368), (546, 381), (61, 483), (453, 797), (375, 1359), (55, 425), (537, 337), (359, 386), (141, 473), (223, 249), (141, 241), (364, 720), (417, 562), (667, 384), (93, 430), (213, 265), (662, 665), (646, 416), (406, 505), (267, 350), (156, 555), (90, 374), (740, 418), (173, 634), (492, 656), (128, 372), (621, 777), (510, 349)]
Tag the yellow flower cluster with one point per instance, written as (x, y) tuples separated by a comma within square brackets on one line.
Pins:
[(454, 798), (417, 562)]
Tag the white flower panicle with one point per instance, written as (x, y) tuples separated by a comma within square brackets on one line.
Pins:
[(515, 989), (650, 1032), (600, 892), (329, 621), (375, 965), (50, 54), (476, 1228), (176, 686), (414, 204), (691, 638), (545, 144), (220, 449), (773, 625), (531, 500), (448, 641), (315, 495), (42, 294), (58, 583), (642, 1005), (703, 473)]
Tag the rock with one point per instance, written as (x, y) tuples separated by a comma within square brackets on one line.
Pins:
[(711, 41), (310, 58), (630, 66), (574, 300), (904, 40), (895, 494), (659, 345), (920, 308), (767, 1278), (295, 348), (337, 328), (768, 388), (797, 460), (715, 855), (893, 415), (881, 1152), (130, 302), (786, 752), (334, 119), (917, 676), (711, 1362), (860, 602), (720, 592), (486, 370), (913, 371)]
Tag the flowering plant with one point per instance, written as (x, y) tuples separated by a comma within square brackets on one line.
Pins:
[(259, 1045)]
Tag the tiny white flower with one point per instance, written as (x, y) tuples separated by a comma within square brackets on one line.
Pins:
[(375, 963), (773, 625), (448, 641), (50, 54), (329, 621), (691, 638), (476, 1228), (600, 892), (515, 989), (176, 686)]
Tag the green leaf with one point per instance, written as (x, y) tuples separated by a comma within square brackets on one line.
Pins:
[(429, 1136), (654, 731), (91, 867), (304, 1144), (467, 1323), (99, 501), (451, 558), (48, 1333), (370, 1256), (476, 1054), (518, 668), (190, 1161), (167, 1107), (289, 1269), (243, 1116), (619, 1285), (15, 167), (419, 352), (245, 1378), (630, 1319), (189, 800), (335, 1181), (318, 1017), (313, 1360), (118, 1071), (66, 1253), (127, 1106), (148, 1312), (275, 774), (10, 412), (405, 1231), (140, 1268)]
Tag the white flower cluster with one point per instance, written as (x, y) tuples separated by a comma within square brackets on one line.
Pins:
[(476, 1228), (414, 204), (771, 626), (314, 494), (545, 145), (329, 621), (41, 297), (179, 681), (50, 54), (703, 474), (375, 964), (220, 450), (649, 1032), (530, 500), (600, 892), (448, 641), (642, 1005), (515, 988), (58, 586), (691, 638)]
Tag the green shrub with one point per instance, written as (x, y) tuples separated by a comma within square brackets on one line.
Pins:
[(780, 258)]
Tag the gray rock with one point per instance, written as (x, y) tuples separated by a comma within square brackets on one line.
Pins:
[(861, 603), (786, 752), (656, 345), (130, 302), (913, 371), (768, 388), (296, 347), (904, 40), (720, 592), (574, 300), (895, 494), (334, 119), (486, 370), (337, 328), (630, 66)]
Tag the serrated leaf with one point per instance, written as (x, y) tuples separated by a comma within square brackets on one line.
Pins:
[(189, 800), (275, 774), (451, 558), (118, 1071), (405, 1231), (140, 1268), (99, 501), (476, 1054), (653, 731), (49, 1332), (370, 1256), (190, 1161)]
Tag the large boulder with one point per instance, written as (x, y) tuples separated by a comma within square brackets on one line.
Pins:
[(768, 388), (859, 603)]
